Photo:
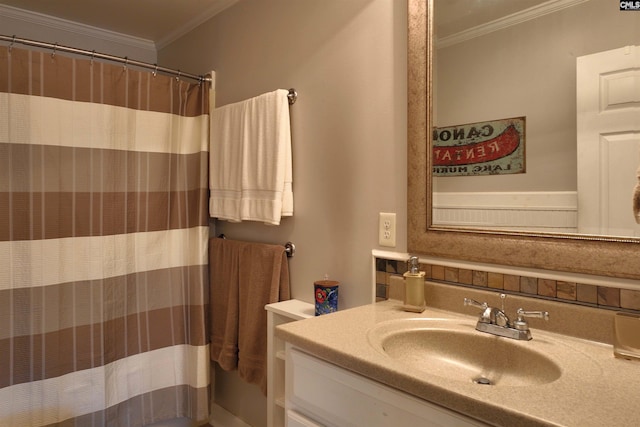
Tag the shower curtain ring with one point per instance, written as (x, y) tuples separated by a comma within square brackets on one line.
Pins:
[(93, 54), (55, 47), (178, 76), (13, 40), (126, 63), (155, 70)]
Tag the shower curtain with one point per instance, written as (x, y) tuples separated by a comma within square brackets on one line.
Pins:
[(103, 243)]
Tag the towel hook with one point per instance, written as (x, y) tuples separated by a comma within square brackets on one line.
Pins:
[(293, 96)]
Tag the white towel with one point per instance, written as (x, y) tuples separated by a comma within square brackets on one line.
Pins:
[(250, 167)]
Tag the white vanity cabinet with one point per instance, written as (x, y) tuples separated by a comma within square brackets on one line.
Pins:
[(280, 313), (319, 393)]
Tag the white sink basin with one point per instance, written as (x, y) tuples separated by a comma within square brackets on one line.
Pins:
[(455, 350)]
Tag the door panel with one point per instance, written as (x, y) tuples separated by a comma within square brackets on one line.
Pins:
[(608, 126)]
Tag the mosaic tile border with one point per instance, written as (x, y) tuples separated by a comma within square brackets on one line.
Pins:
[(529, 286)]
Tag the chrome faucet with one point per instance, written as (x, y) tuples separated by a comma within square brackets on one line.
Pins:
[(494, 320)]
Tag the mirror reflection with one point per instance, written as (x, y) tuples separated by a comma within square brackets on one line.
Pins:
[(568, 73)]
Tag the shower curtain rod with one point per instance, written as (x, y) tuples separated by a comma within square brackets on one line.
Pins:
[(93, 54)]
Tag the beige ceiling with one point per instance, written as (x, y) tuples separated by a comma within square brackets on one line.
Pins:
[(154, 20)]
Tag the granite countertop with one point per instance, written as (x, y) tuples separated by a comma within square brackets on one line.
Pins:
[(595, 388)]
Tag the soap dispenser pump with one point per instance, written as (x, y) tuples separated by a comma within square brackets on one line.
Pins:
[(414, 287)]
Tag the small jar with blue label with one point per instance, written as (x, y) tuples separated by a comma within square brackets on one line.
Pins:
[(326, 296)]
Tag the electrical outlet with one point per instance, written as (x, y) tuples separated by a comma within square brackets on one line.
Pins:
[(387, 230)]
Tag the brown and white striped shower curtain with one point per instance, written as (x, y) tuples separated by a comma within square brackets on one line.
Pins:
[(103, 244)]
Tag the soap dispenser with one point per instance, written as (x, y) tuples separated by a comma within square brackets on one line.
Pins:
[(414, 287)]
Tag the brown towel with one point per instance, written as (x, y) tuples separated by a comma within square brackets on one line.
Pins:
[(244, 278)]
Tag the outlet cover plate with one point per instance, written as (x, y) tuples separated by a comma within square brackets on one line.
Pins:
[(387, 229)]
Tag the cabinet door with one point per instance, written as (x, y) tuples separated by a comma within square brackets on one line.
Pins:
[(336, 397)]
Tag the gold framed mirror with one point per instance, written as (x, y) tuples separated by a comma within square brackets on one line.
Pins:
[(572, 253)]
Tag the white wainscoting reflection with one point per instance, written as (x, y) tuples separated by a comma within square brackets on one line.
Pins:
[(555, 211)]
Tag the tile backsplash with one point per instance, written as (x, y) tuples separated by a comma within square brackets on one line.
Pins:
[(389, 271)]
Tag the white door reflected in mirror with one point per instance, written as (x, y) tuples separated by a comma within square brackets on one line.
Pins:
[(608, 107)]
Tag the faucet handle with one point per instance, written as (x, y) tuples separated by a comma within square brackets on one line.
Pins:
[(474, 303), (521, 324), (539, 314), (488, 314)]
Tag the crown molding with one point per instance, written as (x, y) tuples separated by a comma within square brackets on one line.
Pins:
[(43, 20), (207, 14), (525, 15)]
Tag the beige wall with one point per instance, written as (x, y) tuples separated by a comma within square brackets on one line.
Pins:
[(347, 60)]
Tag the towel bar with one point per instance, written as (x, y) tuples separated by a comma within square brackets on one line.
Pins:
[(293, 96), (289, 247)]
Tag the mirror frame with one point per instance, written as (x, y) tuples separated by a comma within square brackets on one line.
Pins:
[(571, 253)]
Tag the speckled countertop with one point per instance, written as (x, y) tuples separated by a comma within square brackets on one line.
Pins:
[(595, 389)]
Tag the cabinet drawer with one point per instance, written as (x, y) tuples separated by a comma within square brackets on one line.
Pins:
[(336, 397)]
